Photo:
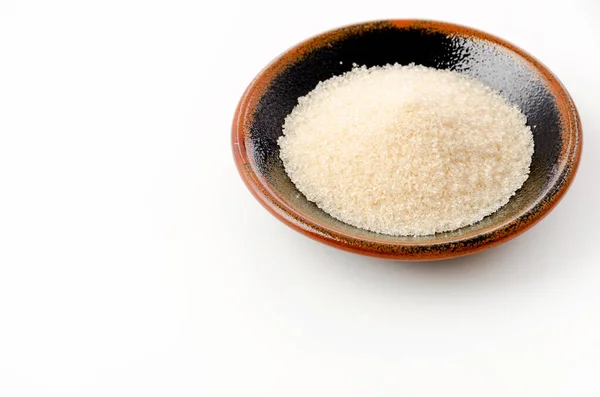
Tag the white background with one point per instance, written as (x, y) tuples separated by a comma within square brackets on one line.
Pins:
[(134, 262)]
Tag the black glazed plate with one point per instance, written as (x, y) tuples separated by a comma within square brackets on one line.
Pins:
[(520, 78)]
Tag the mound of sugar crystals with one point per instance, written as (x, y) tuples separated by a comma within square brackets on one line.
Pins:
[(406, 150)]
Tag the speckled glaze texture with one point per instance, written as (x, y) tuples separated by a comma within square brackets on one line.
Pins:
[(520, 78)]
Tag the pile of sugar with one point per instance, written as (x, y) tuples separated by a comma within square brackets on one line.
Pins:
[(406, 150)]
